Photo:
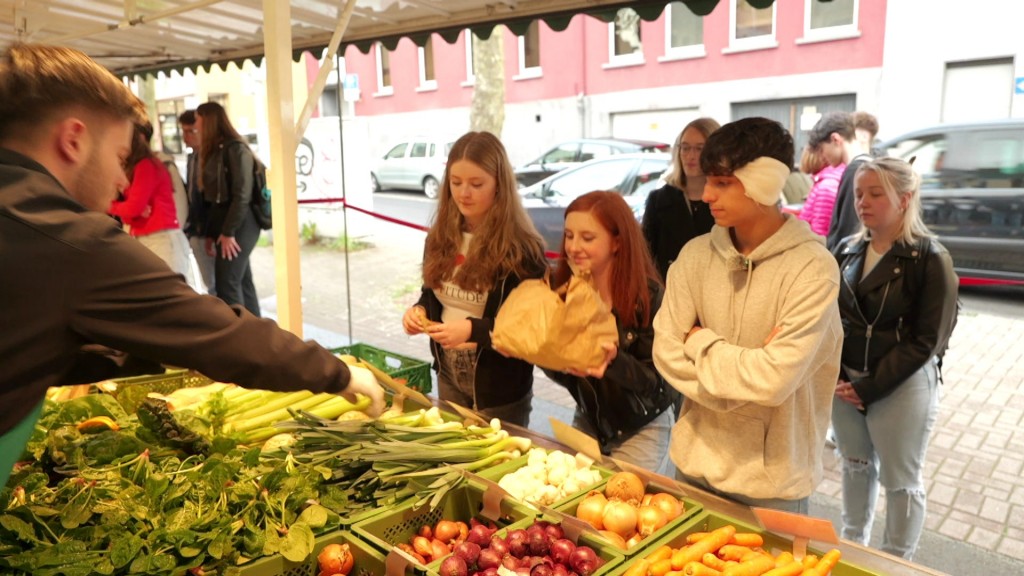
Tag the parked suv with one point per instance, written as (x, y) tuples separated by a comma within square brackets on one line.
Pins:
[(972, 192), (575, 152), (417, 164)]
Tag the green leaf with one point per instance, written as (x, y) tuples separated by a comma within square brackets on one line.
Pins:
[(76, 513), (315, 516), (219, 546), (156, 485), (252, 543), (23, 530), (152, 564), (271, 541), (298, 543), (124, 550), (104, 566)]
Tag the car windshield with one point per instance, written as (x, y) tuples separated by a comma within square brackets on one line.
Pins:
[(608, 175)]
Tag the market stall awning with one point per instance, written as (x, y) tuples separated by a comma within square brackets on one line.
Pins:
[(145, 36)]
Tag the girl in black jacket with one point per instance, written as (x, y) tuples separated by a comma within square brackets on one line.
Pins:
[(897, 299), (482, 244)]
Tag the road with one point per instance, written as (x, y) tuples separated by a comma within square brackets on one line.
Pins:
[(406, 206)]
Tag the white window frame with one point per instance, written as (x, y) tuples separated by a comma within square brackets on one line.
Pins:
[(526, 73), (421, 52), (623, 60), (382, 90), (843, 32), (680, 52), (470, 73), (755, 43)]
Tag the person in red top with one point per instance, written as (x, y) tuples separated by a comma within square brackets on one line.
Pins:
[(148, 209)]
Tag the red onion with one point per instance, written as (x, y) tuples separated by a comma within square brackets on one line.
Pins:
[(539, 543), (560, 569), (499, 545), (454, 566), (488, 560), (542, 569), (554, 532), (511, 562), (479, 535), (561, 551), (468, 551), (584, 557)]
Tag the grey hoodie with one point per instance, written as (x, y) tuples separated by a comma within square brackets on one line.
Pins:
[(759, 377)]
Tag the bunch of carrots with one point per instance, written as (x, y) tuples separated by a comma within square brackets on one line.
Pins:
[(724, 552)]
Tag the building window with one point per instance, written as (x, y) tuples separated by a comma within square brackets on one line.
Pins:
[(426, 56), (529, 52), (384, 87), (624, 46), (684, 32), (470, 49), (830, 20), (751, 28), (169, 131)]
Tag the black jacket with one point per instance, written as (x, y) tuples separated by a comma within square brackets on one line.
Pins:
[(898, 317), (632, 393), (844, 214), (499, 380), (668, 224), (227, 186)]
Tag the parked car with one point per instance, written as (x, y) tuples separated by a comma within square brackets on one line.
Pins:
[(972, 193), (575, 152), (632, 175), (416, 164)]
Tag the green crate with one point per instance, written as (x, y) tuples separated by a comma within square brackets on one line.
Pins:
[(498, 471), (463, 503), (367, 561), (707, 521), (415, 372), (130, 392), (690, 509)]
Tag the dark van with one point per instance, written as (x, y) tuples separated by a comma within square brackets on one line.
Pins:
[(972, 192)]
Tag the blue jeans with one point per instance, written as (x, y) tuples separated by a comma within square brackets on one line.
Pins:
[(456, 381), (798, 506), (646, 448), (887, 445)]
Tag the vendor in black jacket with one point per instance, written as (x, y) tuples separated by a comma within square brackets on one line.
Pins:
[(482, 244), (73, 280), (624, 402), (897, 299)]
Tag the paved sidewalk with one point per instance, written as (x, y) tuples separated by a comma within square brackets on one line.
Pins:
[(975, 521)]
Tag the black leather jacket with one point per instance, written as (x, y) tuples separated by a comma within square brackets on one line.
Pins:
[(632, 393), (898, 317), (669, 224), (227, 186)]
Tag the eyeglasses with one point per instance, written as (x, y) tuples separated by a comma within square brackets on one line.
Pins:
[(190, 131), (686, 149)]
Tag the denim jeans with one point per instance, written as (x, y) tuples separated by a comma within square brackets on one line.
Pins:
[(233, 278), (798, 506), (456, 381), (887, 445), (647, 448)]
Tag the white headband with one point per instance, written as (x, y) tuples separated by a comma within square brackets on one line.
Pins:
[(763, 179)]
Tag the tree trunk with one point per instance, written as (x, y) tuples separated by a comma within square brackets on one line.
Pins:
[(487, 112)]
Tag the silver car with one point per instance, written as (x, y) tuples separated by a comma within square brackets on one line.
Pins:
[(417, 164)]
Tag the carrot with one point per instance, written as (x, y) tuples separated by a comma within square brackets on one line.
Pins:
[(698, 569), (712, 543), (661, 567), (696, 537), (712, 561), (809, 561), (734, 552), (678, 558), (754, 565), (748, 539), (639, 569), (661, 553), (791, 569), (784, 558), (827, 562)]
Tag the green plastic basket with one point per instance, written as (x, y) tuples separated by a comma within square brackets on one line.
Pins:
[(130, 392), (707, 521), (367, 561), (690, 509), (415, 372), (498, 471), (463, 503)]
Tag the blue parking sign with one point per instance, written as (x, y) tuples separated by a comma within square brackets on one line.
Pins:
[(1019, 83)]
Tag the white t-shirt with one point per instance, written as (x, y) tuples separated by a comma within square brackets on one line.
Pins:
[(457, 303), (871, 258)]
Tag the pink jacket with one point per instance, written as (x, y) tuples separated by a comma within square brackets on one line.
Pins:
[(817, 210), (150, 188)]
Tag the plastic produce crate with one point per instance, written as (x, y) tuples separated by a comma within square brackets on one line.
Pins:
[(132, 391), (497, 472), (707, 521), (399, 525), (690, 509), (415, 372), (367, 561)]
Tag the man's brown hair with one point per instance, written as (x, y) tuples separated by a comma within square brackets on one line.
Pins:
[(38, 80)]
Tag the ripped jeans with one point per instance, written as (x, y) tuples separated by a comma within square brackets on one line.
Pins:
[(887, 445)]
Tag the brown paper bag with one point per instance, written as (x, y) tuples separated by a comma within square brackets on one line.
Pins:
[(537, 325)]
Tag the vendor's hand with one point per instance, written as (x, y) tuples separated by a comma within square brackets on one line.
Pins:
[(411, 320), (229, 247), (362, 381), (692, 331), (450, 334), (846, 392), (211, 249), (610, 352)]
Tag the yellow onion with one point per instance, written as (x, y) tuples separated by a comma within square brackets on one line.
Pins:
[(591, 509), (614, 538), (620, 517), (649, 519), (669, 504), (625, 486), (633, 541)]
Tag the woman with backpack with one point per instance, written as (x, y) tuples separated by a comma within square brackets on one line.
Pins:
[(227, 166), (898, 302), (148, 209)]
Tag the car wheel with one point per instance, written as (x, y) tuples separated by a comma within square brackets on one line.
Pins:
[(374, 183), (430, 187)]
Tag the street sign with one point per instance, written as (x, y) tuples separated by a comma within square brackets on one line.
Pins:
[(1019, 83), (351, 82)]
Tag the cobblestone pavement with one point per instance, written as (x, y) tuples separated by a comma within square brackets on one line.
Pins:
[(975, 462)]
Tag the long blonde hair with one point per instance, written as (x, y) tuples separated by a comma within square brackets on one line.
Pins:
[(505, 242), (676, 177), (898, 178)]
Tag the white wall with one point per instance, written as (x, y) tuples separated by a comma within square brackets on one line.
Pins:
[(921, 36)]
